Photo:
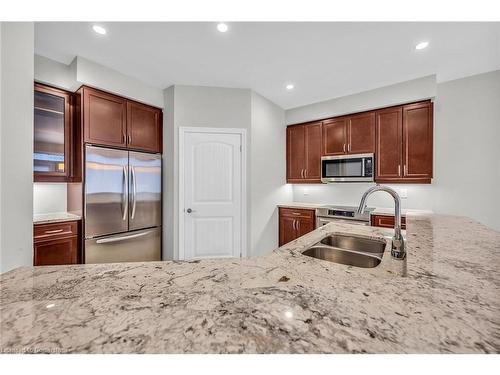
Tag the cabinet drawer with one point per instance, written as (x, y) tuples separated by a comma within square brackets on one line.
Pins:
[(297, 213), (56, 251), (55, 230), (386, 221)]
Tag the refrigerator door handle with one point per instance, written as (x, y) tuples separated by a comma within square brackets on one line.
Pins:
[(125, 193), (134, 192), (123, 238)]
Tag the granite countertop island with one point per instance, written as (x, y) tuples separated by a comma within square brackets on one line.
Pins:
[(283, 302)]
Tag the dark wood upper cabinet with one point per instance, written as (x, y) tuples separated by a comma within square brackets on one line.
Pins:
[(361, 133), (110, 120), (304, 153), (401, 138), (295, 153), (104, 118), (312, 171), (335, 136), (404, 140), (388, 144), (417, 141), (144, 127), (52, 124)]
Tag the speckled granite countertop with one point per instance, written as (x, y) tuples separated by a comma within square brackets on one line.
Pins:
[(377, 210), (283, 302), (54, 217)]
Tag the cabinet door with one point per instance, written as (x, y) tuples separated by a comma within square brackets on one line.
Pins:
[(104, 118), (417, 141), (388, 144), (55, 252), (305, 226), (295, 153), (335, 136), (144, 127), (287, 228), (312, 171), (361, 133), (52, 134), (385, 221)]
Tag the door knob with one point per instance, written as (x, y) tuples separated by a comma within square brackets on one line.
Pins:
[(189, 210)]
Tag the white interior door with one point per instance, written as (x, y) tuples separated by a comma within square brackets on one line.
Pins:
[(212, 194)]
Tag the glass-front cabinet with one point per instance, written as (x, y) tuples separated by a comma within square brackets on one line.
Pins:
[(52, 138)]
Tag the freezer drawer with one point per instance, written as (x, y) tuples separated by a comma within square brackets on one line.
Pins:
[(144, 190), (136, 246)]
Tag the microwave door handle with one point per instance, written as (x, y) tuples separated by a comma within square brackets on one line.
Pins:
[(363, 168)]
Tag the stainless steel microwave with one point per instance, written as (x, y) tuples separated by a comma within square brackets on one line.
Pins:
[(347, 168)]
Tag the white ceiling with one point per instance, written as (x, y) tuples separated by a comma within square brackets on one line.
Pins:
[(322, 60)]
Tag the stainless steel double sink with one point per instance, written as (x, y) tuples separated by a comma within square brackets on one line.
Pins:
[(350, 250)]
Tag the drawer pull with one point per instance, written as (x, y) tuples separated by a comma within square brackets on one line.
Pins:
[(296, 213), (54, 231)]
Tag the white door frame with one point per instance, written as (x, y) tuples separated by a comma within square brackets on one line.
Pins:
[(183, 130)]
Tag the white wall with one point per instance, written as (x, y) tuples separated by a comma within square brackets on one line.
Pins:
[(49, 197), (169, 183), (467, 146), (16, 144), (85, 72), (56, 74), (196, 106), (102, 77), (399, 93), (268, 173), (466, 138)]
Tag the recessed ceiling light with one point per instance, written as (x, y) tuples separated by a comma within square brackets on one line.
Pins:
[(99, 29), (290, 86), (421, 45), (222, 27)]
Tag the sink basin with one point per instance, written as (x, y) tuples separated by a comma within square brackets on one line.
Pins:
[(364, 245), (349, 250)]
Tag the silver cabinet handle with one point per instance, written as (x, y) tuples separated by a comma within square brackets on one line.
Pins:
[(344, 147), (302, 173), (305, 173), (125, 192), (404, 170), (399, 170), (134, 192), (124, 238), (54, 231), (349, 147), (298, 223), (294, 221)]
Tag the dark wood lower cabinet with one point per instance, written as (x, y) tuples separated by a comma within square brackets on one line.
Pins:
[(294, 223), (386, 221), (56, 244)]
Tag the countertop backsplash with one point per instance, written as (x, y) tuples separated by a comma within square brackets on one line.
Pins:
[(49, 198)]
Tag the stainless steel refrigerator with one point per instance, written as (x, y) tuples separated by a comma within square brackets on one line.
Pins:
[(122, 205)]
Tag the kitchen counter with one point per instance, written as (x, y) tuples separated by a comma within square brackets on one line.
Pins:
[(376, 210), (54, 217), (283, 302)]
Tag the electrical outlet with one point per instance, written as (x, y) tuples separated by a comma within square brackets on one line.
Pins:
[(403, 193)]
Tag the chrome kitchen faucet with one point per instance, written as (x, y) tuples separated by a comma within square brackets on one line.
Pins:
[(398, 243)]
